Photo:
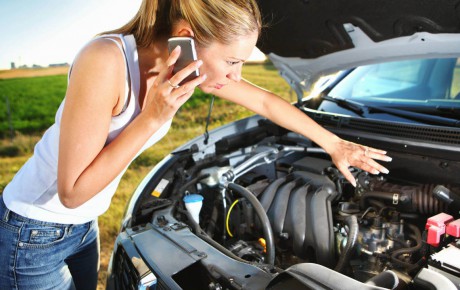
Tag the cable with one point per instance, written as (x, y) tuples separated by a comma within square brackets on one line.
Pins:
[(208, 119), (228, 217), (367, 211)]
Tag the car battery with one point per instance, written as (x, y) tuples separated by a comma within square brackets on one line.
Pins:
[(447, 262)]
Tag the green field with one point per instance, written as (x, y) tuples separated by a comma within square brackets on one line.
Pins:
[(33, 103)]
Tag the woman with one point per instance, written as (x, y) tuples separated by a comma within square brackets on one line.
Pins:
[(120, 100)]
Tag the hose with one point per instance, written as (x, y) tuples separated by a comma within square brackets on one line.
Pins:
[(386, 196), (352, 223), (211, 226), (417, 237), (266, 226), (414, 199)]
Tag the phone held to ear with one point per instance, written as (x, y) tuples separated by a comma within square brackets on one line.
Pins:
[(187, 55)]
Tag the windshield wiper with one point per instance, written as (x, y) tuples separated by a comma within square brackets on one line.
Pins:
[(444, 109), (448, 112), (353, 106), (362, 109), (434, 120)]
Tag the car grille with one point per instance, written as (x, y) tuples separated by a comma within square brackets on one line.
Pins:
[(125, 274)]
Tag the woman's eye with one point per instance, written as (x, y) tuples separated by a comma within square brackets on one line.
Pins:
[(232, 62)]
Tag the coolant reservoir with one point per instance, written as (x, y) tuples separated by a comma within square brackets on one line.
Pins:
[(193, 203)]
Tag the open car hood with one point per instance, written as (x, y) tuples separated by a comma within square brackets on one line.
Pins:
[(309, 38)]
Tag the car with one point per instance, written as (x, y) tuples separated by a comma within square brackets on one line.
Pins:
[(255, 206)]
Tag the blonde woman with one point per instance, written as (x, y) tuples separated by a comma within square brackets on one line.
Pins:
[(120, 100)]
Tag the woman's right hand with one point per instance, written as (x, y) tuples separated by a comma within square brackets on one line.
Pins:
[(164, 97), (87, 164)]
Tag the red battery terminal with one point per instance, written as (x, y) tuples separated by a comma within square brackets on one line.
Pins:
[(436, 227)]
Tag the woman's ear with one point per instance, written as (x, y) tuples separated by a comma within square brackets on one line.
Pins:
[(182, 28)]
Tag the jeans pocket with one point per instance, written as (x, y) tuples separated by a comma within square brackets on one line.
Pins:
[(41, 236)]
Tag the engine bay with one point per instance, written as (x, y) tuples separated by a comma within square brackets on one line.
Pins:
[(277, 202)]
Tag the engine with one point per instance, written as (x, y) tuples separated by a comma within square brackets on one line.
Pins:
[(285, 205)]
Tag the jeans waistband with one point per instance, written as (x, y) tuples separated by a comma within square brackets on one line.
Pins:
[(8, 214)]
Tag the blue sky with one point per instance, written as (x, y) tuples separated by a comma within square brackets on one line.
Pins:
[(52, 31), (44, 32)]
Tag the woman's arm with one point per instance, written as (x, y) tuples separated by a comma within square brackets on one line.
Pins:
[(271, 106), (85, 166)]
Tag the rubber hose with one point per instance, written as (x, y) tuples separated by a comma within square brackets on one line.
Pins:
[(352, 222), (386, 196), (266, 226), (417, 237)]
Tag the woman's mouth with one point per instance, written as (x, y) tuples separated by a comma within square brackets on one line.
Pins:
[(219, 86)]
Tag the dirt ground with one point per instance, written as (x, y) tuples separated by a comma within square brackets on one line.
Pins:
[(32, 72)]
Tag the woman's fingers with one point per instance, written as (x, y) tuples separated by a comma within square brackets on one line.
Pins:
[(348, 154), (376, 154), (184, 92), (189, 86), (165, 74), (184, 73), (175, 80), (372, 166), (173, 56), (368, 162), (165, 95), (346, 173)]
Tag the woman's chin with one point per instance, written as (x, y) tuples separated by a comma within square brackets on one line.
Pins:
[(206, 89)]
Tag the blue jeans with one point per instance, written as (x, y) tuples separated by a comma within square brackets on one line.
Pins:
[(43, 255)]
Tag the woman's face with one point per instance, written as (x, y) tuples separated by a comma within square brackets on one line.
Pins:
[(222, 63)]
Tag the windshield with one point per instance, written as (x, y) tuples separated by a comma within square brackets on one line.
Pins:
[(416, 85)]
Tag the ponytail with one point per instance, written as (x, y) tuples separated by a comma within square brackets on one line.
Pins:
[(210, 20)]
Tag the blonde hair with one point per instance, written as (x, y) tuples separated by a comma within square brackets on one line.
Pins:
[(210, 20)]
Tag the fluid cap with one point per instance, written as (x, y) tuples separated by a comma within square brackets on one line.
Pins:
[(193, 203)]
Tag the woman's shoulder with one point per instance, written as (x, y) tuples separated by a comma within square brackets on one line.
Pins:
[(99, 68), (101, 50)]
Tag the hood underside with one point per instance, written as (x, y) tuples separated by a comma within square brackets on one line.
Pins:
[(313, 28), (306, 39)]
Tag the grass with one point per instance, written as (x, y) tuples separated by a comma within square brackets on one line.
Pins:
[(44, 94), (28, 104)]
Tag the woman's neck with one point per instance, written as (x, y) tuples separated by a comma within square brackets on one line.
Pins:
[(152, 59)]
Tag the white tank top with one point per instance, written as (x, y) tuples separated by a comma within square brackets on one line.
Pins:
[(33, 191)]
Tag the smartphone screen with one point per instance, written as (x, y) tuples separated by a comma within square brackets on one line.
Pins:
[(187, 55)]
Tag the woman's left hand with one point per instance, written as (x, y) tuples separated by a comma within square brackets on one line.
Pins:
[(345, 154)]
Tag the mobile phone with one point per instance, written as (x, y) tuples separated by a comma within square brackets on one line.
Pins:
[(187, 55)]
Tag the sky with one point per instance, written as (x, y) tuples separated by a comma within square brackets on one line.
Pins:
[(44, 32), (52, 31)]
